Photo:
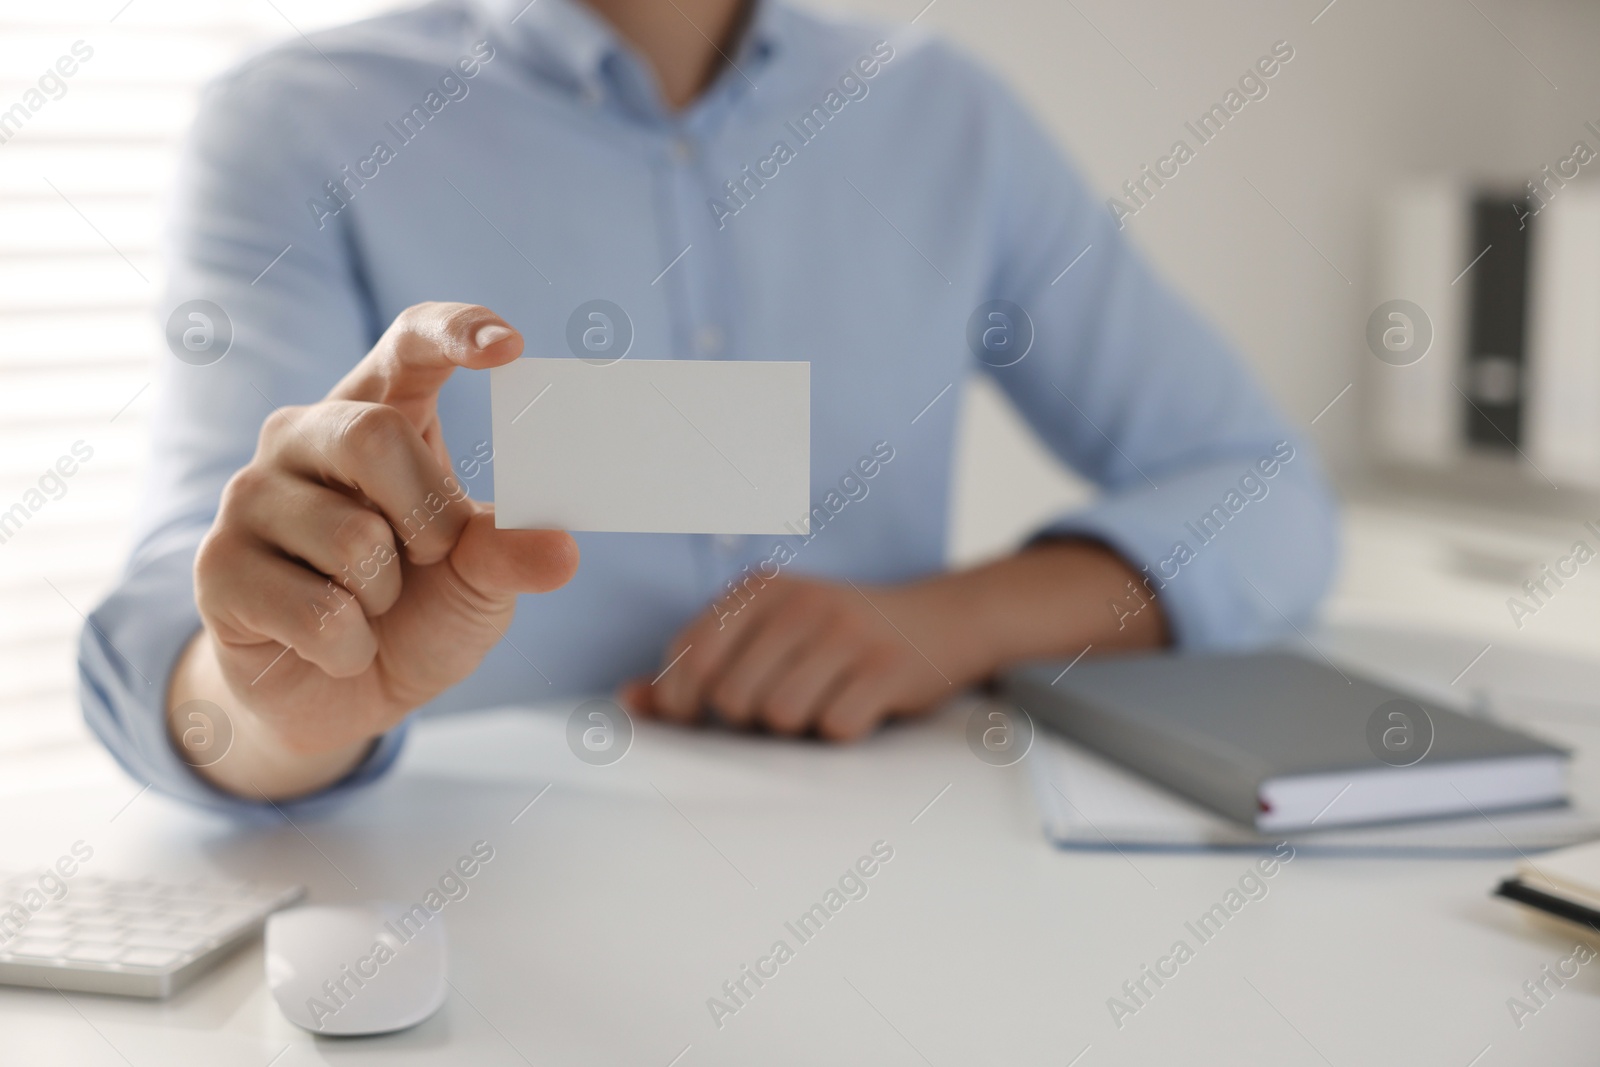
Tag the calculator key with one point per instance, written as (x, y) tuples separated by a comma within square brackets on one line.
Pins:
[(149, 957), (93, 951), (166, 940), (43, 933), (97, 931), (37, 948)]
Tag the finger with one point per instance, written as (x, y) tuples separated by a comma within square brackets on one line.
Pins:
[(247, 592), (452, 613), (691, 662), (676, 695), (795, 699), (420, 349), (351, 544), (690, 655), (860, 704), (495, 566), (747, 672), (696, 656), (376, 451), (635, 695)]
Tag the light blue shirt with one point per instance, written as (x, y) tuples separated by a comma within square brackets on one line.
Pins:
[(846, 194)]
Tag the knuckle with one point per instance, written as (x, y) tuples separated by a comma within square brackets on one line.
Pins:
[(215, 557), (247, 484), (696, 675), (788, 626), (802, 596), (437, 321), (381, 594), (700, 628), (327, 618), (850, 631), (728, 616), (457, 320), (360, 534), (693, 672), (417, 318), (373, 432), (279, 425), (881, 658)]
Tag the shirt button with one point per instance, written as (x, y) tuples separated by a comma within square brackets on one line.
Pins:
[(682, 150), (708, 339), (728, 544), (592, 94)]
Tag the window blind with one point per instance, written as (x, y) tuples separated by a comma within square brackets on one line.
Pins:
[(94, 100)]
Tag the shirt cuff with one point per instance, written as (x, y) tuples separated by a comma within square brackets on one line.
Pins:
[(1235, 558), (126, 655)]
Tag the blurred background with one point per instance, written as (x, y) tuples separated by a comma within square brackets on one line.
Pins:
[(1385, 156)]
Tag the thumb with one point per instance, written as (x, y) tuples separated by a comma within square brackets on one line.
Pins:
[(495, 565)]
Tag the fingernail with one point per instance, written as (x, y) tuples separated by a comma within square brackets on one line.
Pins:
[(488, 335)]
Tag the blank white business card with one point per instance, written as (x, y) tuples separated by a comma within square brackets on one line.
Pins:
[(652, 446)]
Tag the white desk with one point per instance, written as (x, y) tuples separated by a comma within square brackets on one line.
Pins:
[(619, 902)]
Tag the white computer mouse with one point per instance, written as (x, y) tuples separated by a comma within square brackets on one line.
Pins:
[(359, 969)]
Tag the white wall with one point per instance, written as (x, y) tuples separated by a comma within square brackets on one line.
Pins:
[(1376, 91)]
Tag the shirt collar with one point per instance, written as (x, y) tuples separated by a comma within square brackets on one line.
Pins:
[(571, 43)]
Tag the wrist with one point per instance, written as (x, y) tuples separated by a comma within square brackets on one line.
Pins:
[(1050, 601), (230, 746), (968, 643)]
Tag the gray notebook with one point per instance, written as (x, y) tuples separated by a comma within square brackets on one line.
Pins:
[(1280, 742)]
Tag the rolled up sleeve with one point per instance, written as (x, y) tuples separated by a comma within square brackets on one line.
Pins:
[(125, 660), (1130, 387)]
